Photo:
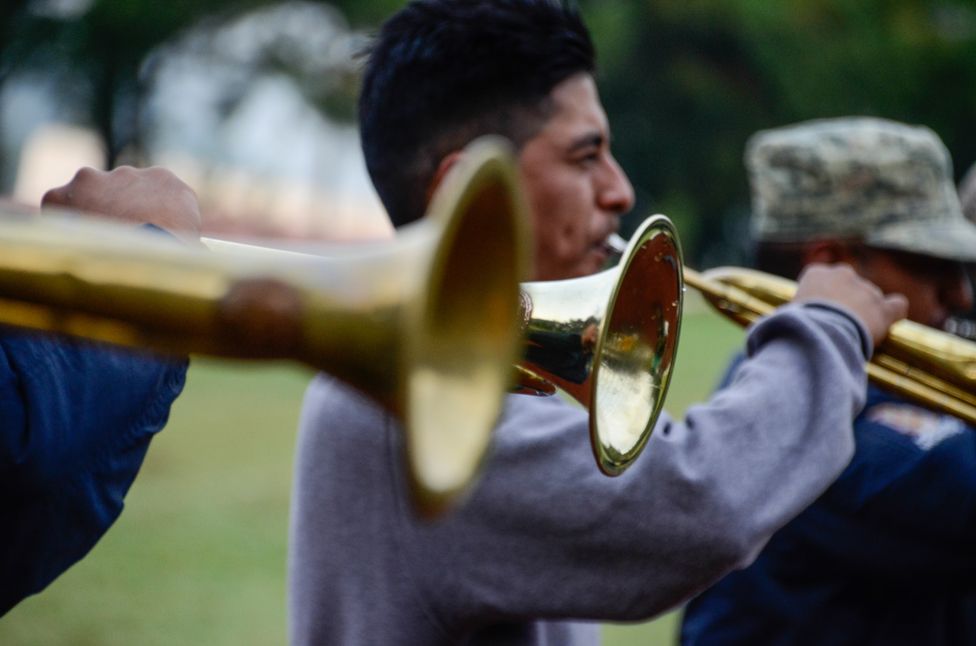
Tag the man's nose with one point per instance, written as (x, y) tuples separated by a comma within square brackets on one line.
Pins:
[(616, 194)]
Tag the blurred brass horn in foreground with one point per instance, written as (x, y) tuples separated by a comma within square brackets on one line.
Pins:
[(427, 324), (609, 341), (932, 368)]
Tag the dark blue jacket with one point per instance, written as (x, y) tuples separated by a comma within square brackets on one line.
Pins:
[(75, 422), (886, 556)]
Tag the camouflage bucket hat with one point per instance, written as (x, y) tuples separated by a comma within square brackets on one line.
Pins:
[(886, 183)]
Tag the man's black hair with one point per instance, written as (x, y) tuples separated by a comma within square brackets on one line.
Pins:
[(442, 72)]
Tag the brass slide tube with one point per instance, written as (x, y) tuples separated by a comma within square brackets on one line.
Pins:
[(426, 324), (932, 368)]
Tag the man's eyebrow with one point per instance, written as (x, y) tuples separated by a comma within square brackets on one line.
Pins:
[(592, 139)]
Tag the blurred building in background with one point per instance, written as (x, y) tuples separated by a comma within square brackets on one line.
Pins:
[(236, 107)]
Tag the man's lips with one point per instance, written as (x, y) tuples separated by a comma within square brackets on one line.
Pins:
[(601, 252), (610, 246)]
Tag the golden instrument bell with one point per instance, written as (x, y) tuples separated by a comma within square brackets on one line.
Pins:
[(609, 341), (427, 324)]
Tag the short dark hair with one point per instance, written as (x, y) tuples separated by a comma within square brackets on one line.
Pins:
[(443, 72)]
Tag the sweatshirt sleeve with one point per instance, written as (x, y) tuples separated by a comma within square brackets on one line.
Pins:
[(545, 535)]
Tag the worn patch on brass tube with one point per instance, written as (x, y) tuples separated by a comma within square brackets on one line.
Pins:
[(265, 316)]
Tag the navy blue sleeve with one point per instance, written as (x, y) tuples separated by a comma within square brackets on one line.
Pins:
[(76, 420), (905, 508)]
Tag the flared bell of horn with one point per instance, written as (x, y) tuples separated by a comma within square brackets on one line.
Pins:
[(609, 341), (426, 324)]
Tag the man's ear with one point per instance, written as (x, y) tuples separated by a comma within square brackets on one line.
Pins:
[(828, 251), (443, 169)]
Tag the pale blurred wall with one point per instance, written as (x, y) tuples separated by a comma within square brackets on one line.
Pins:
[(50, 157), (235, 202)]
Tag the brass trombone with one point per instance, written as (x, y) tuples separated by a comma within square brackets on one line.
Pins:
[(932, 368), (427, 324)]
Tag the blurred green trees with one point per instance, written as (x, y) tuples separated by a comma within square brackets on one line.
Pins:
[(93, 50), (685, 82)]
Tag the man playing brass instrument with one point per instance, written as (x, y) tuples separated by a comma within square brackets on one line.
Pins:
[(545, 545), (76, 418), (888, 554)]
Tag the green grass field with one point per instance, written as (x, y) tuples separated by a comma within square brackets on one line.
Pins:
[(198, 556)]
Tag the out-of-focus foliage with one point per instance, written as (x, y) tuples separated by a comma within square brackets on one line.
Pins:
[(685, 82), (95, 48), (367, 13), (220, 70), (95, 54)]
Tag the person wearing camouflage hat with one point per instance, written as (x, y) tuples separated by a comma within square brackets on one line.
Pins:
[(883, 182), (886, 555), (873, 193)]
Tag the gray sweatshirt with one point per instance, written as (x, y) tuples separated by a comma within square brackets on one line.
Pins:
[(545, 545)]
